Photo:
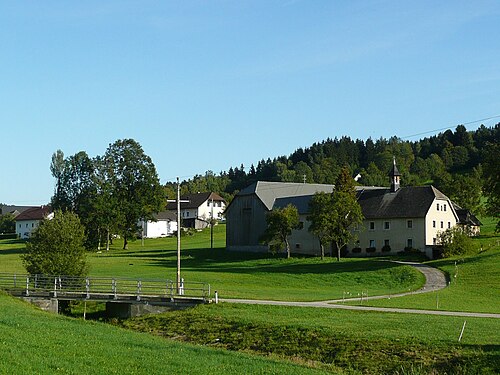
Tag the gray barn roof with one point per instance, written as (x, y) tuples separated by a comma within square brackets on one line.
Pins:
[(380, 203), (268, 192)]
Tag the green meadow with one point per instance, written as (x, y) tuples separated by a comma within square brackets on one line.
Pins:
[(35, 342)]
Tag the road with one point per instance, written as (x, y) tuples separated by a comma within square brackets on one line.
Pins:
[(434, 280)]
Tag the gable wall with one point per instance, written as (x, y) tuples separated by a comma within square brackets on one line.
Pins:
[(439, 216), (245, 223)]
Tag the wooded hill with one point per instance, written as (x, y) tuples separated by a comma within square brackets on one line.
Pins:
[(453, 161)]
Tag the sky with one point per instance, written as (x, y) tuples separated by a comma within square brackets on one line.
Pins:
[(209, 85)]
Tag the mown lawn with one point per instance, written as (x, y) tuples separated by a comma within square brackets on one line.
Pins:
[(257, 276), (35, 342)]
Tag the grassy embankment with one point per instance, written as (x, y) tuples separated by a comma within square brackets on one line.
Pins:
[(35, 342)]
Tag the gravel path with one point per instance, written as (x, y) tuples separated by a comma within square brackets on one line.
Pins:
[(435, 280)]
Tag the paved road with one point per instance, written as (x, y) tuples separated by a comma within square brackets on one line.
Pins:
[(435, 280)]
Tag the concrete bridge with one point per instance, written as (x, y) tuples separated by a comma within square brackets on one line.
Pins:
[(124, 297)]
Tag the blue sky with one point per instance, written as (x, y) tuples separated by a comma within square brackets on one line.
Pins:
[(206, 85)]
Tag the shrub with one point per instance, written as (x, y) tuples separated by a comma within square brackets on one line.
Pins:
[(371, 249), (356, 250), (386, 248), (455, 241)]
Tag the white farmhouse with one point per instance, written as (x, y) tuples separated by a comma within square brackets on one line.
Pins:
[(28, 220), (200, 208)]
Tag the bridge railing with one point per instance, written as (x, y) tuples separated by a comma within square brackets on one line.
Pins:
[(109, 287)]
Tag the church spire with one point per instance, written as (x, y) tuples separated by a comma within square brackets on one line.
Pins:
[(395, 176)]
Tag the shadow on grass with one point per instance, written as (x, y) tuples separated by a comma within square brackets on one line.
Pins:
[(21, 250), (220, 260)]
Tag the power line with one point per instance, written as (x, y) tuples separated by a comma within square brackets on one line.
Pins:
[(450, 127)]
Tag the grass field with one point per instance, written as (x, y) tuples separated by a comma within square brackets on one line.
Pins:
[(35, 342), (367, 342)]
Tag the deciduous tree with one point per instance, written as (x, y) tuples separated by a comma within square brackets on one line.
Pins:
[(280, 223), (135, 185), (56, 247)]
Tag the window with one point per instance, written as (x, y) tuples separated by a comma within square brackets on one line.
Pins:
[(372, 243), (187, 214), (409, 242), (449, 225), (437, 206), (301, 225), (372, 225), (32, 225), (444, 207), (208, 203), (387, 225), (442, 225), (386, 243), (434, 241), (409, 224), (434, 223), (219, 204)]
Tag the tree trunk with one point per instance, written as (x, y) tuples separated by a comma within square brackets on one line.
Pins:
[(338, 252), (322, 250), (125, 242), (107, 239), (287, 249)]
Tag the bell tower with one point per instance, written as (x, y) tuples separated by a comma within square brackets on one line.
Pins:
[(395, 177)]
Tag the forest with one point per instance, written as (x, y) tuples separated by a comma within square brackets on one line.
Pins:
[(462, 164)]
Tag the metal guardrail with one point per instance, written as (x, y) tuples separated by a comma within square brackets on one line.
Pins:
[(108, 288)]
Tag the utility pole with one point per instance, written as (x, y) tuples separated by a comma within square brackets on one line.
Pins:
[(178, 200), (212, 226)]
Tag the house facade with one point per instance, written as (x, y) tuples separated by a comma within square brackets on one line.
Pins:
[(395, 218), (199, 209), (29, 220), (164, 225)]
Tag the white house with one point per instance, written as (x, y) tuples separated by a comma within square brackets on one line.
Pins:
[(164, 225), (200, 208), (28, 220)]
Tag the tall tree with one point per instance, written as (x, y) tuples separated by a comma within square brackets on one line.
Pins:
[(280, 223), (491, 173), (320, 218), (135, 185)]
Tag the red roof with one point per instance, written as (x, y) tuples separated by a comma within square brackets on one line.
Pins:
[(35, 213)]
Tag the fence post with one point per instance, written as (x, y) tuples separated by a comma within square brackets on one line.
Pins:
[(139, 286), (27, 286), (181, 287), (113, 286), (15, 279), (216, 295), (87, 287), (55, 287)]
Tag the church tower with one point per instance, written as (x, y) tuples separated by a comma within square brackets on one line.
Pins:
[(395, 177)]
